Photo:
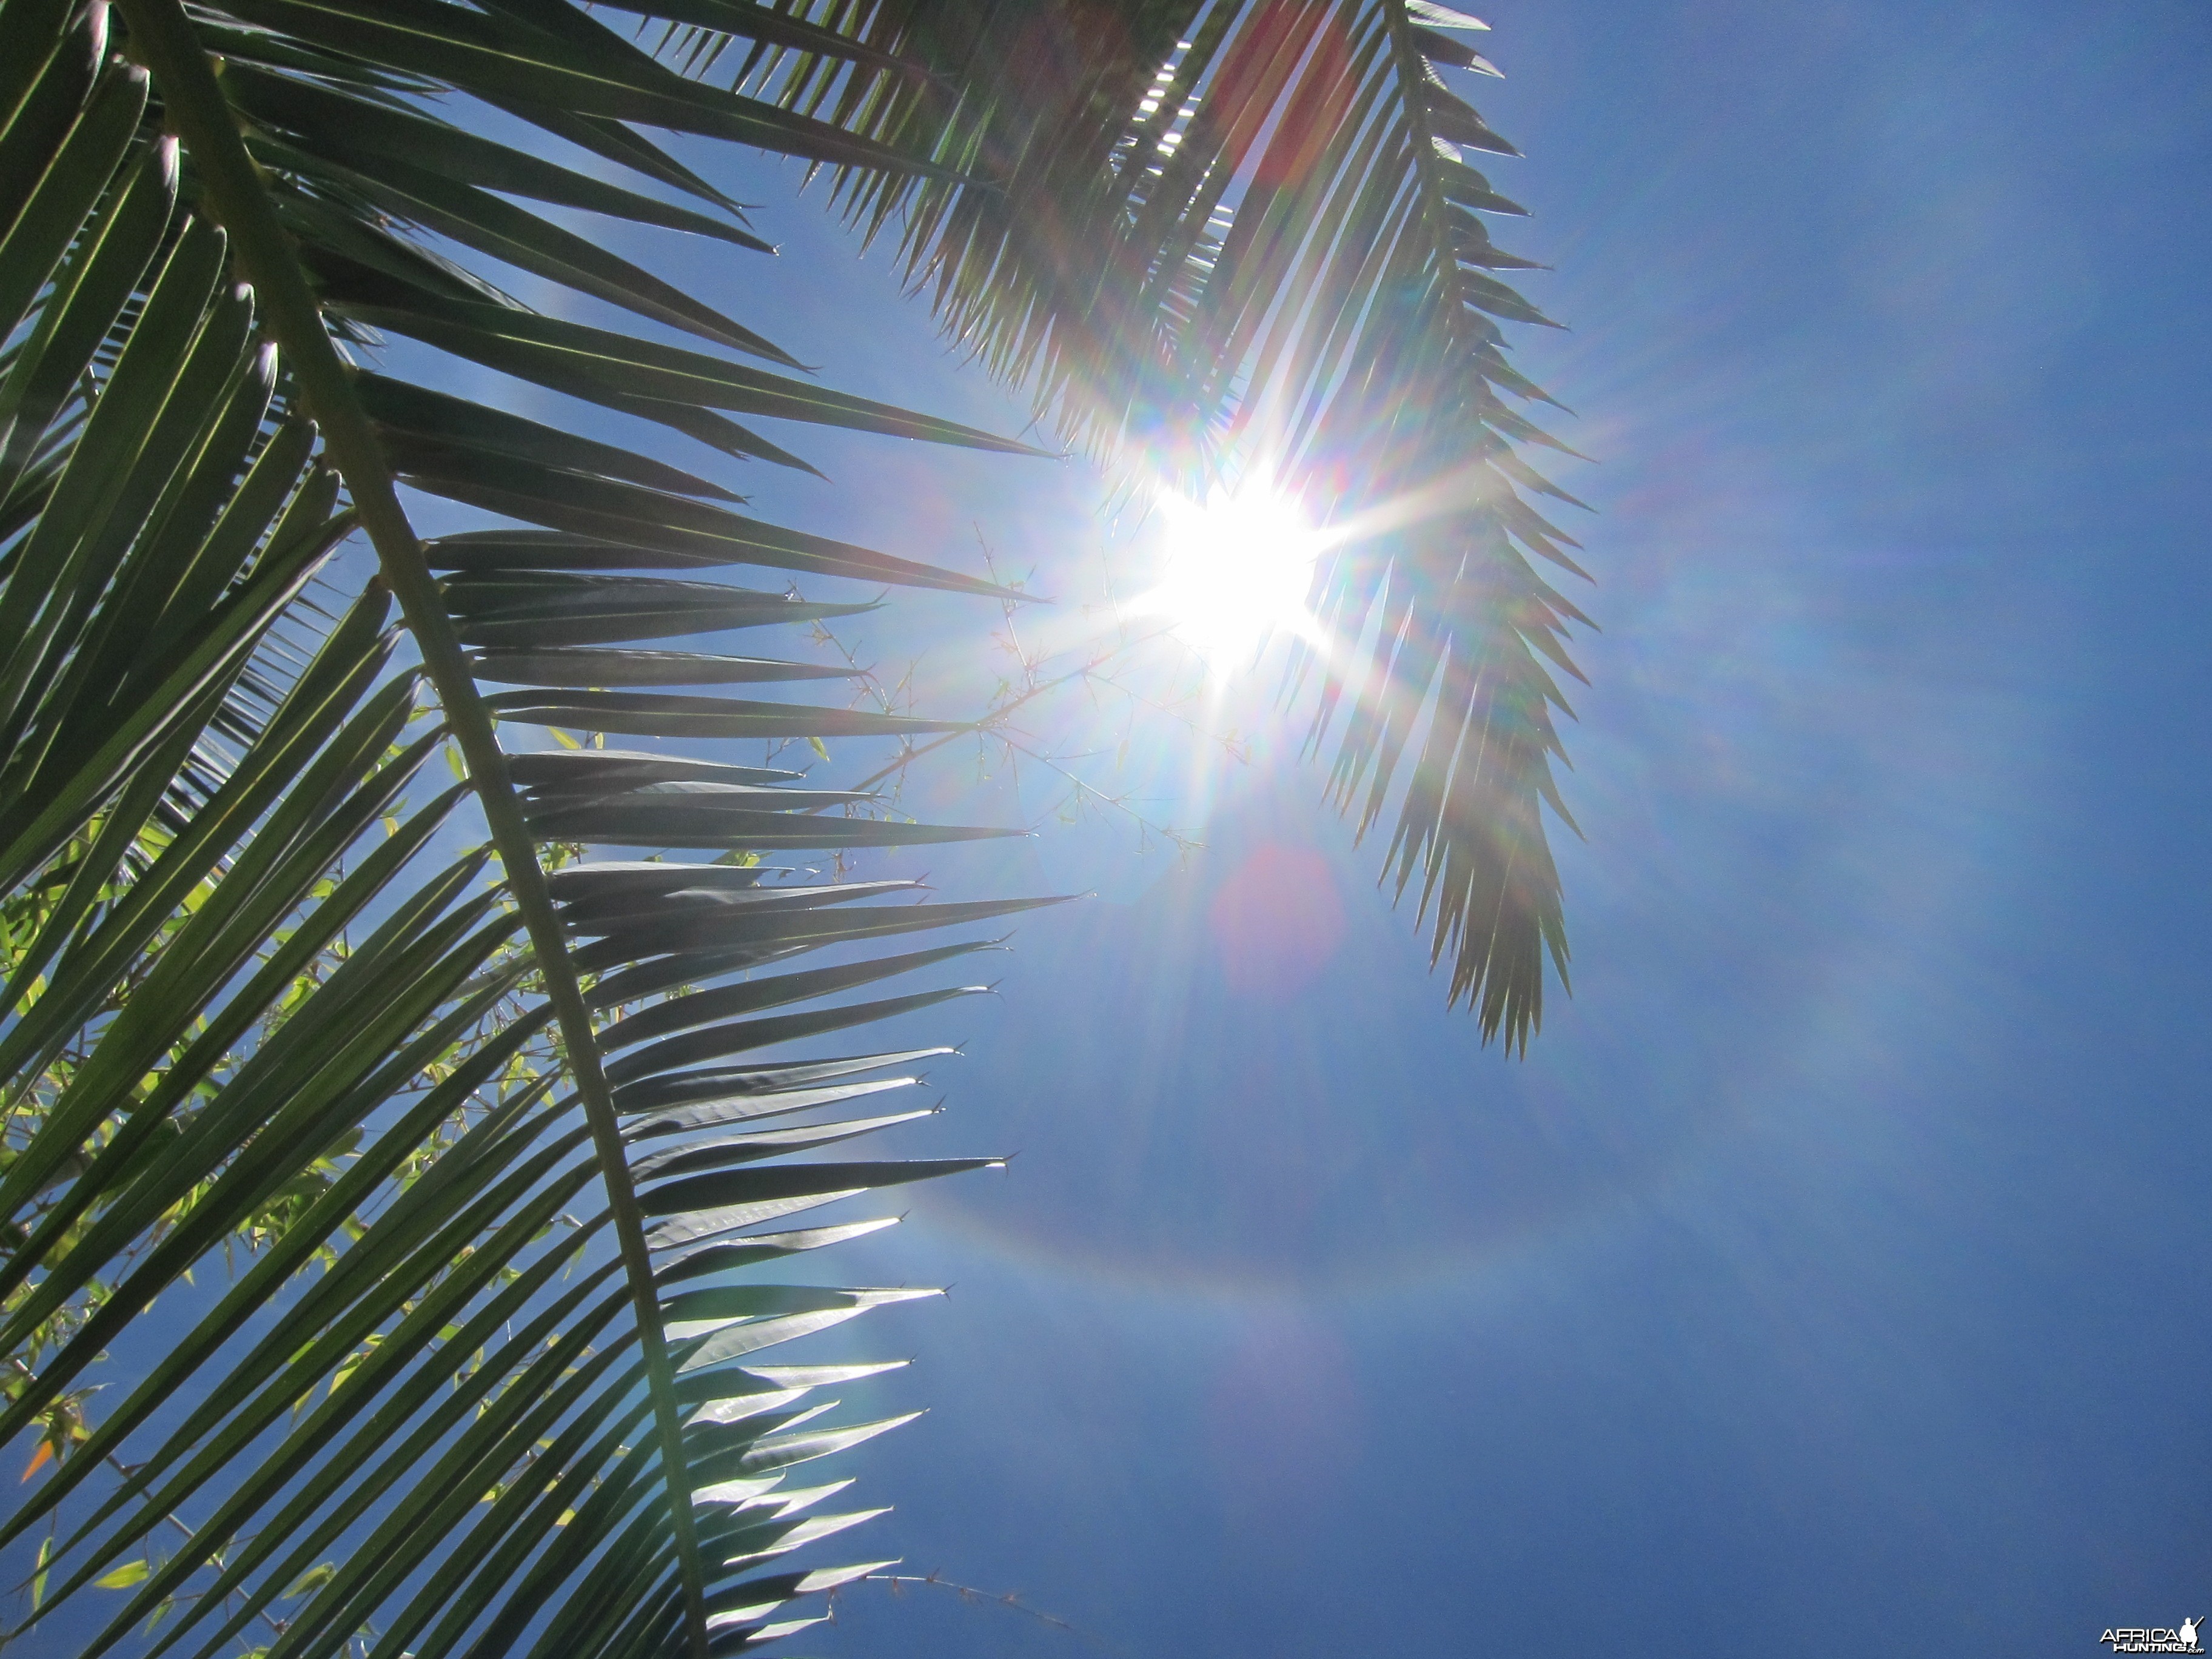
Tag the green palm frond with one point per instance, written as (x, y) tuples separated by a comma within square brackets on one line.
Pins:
[(504, 1124), (1249, 232)]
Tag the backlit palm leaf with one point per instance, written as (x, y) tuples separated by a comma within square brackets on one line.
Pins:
[(1250, 229), (513, 1400)]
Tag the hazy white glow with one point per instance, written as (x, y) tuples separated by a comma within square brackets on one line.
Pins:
[(1237, 569)]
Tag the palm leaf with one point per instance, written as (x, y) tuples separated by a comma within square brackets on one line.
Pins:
[(487, 1419), (1247, 233)]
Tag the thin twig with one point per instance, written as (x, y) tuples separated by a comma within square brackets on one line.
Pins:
[(1011, 1600)]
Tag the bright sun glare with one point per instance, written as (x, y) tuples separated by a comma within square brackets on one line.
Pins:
[(1237, 569)]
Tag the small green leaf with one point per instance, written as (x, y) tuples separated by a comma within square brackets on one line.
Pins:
[(313, 1579)]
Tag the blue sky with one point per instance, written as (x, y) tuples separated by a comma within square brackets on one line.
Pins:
[(1831, 1277)]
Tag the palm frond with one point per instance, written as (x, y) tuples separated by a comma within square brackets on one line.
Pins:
[(505, 1125), (1248, 232)]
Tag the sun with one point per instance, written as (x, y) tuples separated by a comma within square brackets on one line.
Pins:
[(1236, 569)]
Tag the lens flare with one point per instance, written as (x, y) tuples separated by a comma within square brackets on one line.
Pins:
[(1237, 569)]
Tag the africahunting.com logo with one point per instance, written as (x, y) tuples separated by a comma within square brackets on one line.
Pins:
[(2182, 1639)]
